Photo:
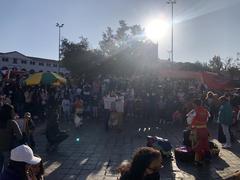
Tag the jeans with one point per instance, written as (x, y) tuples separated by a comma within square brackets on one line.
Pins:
[(227, 134), (66, 115)]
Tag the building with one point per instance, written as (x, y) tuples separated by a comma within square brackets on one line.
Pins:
[(16, 60)]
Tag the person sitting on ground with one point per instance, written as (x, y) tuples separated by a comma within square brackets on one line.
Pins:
[(21, 160), (145, 165), (10, 133)]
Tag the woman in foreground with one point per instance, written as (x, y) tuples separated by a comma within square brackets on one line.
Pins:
[(145, 165)]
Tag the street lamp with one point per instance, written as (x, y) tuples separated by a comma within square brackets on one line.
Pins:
[(172, 2), (169, 54), (59, 43)]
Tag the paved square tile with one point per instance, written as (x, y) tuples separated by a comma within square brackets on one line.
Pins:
[(97, 154)]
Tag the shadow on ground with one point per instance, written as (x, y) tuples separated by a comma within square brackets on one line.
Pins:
[(92, 153)]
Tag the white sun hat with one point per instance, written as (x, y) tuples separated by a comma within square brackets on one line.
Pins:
[(24, 153)]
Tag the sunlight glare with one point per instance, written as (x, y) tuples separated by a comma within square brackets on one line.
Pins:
[(156, 29)]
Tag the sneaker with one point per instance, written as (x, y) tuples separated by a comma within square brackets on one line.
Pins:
[(226, 146)]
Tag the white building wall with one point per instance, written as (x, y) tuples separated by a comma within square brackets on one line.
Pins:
[(28, 66)]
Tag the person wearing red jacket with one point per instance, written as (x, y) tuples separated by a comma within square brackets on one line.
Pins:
[(199, 131)]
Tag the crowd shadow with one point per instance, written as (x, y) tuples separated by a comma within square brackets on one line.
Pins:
[(100, 154), (208, 171), (88, 157)]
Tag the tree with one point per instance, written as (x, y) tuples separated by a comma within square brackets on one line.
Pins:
[(127, 50), (125, 35), (216, 64), (78, 57), (232, 67), (108, 44), (228, 63), (234, 72)]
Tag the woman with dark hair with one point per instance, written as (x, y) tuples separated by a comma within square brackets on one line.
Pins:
[(211, 101), (145, 165), (36, 172), (10, 132)]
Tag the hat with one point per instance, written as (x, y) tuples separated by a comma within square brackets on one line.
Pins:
[(27, 114), (24, 153)]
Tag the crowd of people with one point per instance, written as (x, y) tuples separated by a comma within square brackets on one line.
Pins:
[(113, 100)]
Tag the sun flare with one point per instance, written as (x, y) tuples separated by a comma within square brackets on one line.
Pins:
[(156, 29)]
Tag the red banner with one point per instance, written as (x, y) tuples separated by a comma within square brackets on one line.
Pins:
[(214, 81)]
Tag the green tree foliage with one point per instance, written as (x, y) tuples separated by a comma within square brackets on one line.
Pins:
[(79, 58), (123, 52), (127, 50), (216, 64), (231, 66)]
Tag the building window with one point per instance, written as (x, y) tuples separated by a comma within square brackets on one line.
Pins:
[(15, 61), (32, 62), (4, 59), (48, 64), (55, 65), (24, 62), (41, 64)]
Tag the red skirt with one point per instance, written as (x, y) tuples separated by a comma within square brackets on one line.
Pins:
[(202, 144)]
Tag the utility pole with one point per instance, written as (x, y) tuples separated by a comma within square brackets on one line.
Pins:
[(59, 43), (172, 2)]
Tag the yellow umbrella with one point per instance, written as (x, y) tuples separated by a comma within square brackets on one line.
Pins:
[(47, 78)]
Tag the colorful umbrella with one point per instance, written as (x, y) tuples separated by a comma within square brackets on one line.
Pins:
[(47, 78)]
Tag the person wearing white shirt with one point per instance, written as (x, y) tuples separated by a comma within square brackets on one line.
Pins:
[(66, 105), (119, 105), (107, 100)]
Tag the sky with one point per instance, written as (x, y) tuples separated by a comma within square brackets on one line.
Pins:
[(202, 28)]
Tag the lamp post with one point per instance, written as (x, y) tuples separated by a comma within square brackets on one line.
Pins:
[(172, 2), (169, 55), (59, 43)]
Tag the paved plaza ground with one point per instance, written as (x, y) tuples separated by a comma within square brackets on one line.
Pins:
[(93, 154)]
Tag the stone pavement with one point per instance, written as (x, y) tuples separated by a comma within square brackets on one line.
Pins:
[(91, 153)]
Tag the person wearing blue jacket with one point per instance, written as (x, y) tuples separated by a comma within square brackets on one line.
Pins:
[(225, 118)]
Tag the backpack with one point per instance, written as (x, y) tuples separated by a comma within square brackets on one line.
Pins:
[(184, 154), (163, 145)]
